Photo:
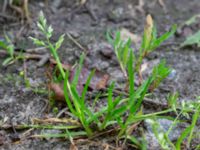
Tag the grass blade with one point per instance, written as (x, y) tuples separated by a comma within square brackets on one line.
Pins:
[(67, 97), (131, 74), (85, 89), (164, 37), (78, 70)]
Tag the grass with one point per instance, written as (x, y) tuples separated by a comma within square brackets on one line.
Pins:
[(187, 134), (114, 114), (150, 42), (9, 47)]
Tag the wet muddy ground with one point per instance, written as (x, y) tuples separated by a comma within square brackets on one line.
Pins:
[(88, 25)]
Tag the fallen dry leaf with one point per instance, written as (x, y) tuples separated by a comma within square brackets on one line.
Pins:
[(58, 91), (102, 82), (98, 82), (65, 66)]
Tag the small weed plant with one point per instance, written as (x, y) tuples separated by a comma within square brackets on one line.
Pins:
[(121, 112), (9, 48), (188, 132)]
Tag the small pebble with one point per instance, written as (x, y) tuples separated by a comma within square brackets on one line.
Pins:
[(172, 75)]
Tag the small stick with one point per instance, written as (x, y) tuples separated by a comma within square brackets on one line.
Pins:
[(43, 58), (37, 50), (7, 16), (26, 11), (162, 4), (77, 43)]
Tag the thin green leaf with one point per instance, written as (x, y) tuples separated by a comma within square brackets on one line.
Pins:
[(110, 97), (117, 101), (78, 70), (157, 42), (183, 135), (117, 39), (154, 33), (144, 87), (134, 141), (131, 74), (109, 38), (85, 89), (119, 111), (3, 45), (195, 118), (67, 97), (8, 61), (76, 99), (125, 55)]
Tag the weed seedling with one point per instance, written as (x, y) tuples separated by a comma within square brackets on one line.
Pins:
[(188, 133), (9, 48), (53, 47), (150, 42), (121, 112), (116, 109), (192, 40)]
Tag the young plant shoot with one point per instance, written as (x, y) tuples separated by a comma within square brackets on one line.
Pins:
[(124, 110)]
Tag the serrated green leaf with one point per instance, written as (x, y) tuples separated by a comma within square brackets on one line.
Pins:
[(160, 72), (172, 101)]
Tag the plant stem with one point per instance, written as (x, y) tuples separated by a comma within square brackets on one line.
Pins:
[(55, 55)]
